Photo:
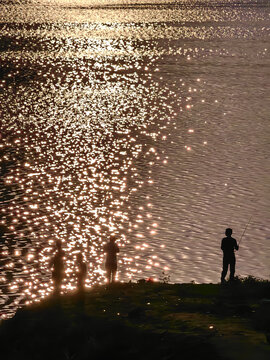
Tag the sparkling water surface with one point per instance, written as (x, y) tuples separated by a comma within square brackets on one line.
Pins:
[(148, 119)]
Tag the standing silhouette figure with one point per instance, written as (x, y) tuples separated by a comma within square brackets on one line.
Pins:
[(58, 267), (111, 249), (81, 273), (228, 245)]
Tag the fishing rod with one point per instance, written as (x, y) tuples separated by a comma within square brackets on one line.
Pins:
[(244, 231)]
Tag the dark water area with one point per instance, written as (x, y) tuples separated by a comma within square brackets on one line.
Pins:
[(141, 118)]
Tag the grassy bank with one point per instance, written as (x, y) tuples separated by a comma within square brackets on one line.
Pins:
[(145, 321)]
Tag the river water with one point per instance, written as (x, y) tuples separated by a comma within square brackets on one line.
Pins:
[(147, 119)]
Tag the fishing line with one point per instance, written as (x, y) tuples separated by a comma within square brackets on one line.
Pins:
[(244, 231)]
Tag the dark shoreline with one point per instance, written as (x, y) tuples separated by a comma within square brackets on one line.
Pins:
[(145, 321)]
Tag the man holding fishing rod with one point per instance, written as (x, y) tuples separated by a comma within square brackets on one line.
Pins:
[(228, 245)]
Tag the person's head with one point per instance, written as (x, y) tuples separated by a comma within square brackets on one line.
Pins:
[(58, 244), (113, 238), (79, 257), (228, 232)]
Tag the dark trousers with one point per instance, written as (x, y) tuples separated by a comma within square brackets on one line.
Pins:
[(228, 260)]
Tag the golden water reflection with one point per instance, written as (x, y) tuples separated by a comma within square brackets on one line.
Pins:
[(72, 134), (113, 121)]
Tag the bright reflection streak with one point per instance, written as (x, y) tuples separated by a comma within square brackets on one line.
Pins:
[(74, 158)]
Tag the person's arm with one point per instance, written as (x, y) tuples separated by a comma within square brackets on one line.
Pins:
[(222, 245), (236, 246), (51, 262)]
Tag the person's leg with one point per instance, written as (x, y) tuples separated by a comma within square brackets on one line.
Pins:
[(232, 268), (108, 275), (55, 283), (114, 269), (57, 286), (113, 275), (225, 269), (80, 284)]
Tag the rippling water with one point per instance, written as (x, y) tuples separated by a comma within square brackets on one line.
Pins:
[(148, 119)]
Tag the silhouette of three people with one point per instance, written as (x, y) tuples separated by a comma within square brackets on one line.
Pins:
[(57, 264)]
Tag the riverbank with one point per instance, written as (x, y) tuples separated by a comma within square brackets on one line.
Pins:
[(145, 321)]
